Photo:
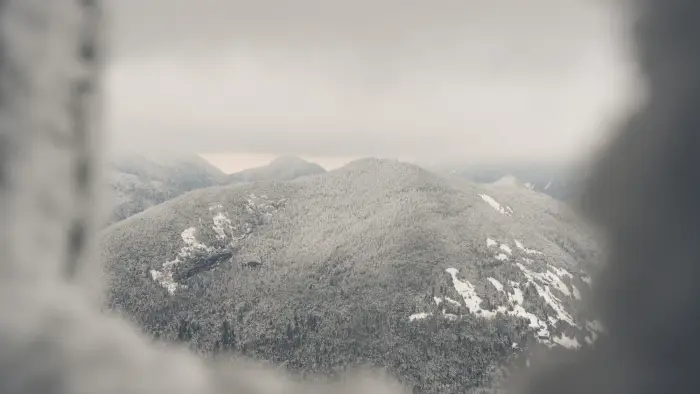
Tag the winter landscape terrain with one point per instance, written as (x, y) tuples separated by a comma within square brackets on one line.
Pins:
[(379, 263), (447, 279), (136, 182), (561, 181)]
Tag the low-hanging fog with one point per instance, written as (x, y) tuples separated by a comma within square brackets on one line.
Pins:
[(448, 80)]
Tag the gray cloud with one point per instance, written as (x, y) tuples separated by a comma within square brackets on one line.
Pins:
[(416, 80)]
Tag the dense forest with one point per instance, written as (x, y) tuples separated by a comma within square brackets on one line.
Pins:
[(348, 269)]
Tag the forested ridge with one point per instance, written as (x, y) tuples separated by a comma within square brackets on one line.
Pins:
[(349, 269)]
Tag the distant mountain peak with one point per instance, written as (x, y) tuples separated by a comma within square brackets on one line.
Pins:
[(375, 162), (139, 181), (283, 168), (289, 160)]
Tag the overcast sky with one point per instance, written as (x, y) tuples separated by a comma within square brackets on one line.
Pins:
[(412, 79)]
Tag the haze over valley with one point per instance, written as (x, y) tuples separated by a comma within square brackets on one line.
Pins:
[(326, 187)]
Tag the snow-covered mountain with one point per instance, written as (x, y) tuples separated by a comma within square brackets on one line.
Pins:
[(137, 182), (378, 262), (284, 168)]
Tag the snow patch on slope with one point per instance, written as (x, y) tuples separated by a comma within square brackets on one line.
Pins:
[(515, 299), (505, 210), (522, 247), (550, 285), (263, 205), (577, 294), (546, 293), (221, 224), (223, 229), (419, 316), (506, 249), (164, 277), (468, 293), (564, 341), (496, 284), (542, 282), (501, 257)]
